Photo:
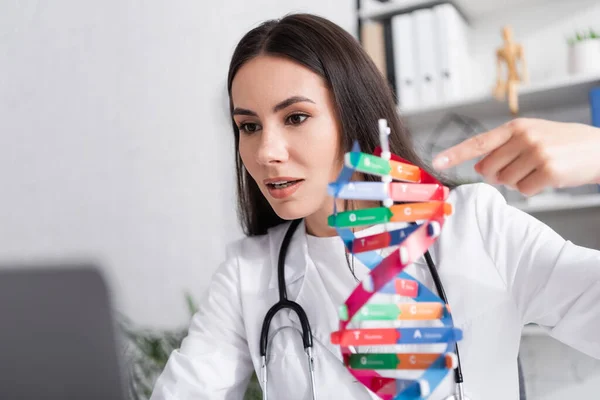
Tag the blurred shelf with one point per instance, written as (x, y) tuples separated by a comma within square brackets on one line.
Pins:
[(471, 9), (558, 92), (533, 330), (558, 203), (383, 10)]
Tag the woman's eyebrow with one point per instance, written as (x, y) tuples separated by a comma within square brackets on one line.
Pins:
[(292, 100), (244, 111), (280, 106)]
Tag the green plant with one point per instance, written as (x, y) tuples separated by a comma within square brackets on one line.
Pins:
[(581, 36), (147, 353)]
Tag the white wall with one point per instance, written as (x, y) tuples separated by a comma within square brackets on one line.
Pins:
[(113, 122)]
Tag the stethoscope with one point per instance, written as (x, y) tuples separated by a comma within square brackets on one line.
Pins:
[(307, 338)]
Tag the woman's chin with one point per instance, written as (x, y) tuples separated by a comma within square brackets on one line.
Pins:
[(290, 215), (292, 210)]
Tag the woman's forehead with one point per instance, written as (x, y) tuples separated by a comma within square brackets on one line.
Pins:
[(270, 79)]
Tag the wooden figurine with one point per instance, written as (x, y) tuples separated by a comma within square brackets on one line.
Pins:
[(510, 54)]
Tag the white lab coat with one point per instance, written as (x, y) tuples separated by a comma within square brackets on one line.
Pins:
[(500, 267)]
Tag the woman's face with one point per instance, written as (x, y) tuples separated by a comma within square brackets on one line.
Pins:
[(289, 135)]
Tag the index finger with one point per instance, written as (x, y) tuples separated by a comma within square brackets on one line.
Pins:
[(473, 147)]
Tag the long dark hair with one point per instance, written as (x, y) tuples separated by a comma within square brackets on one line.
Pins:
[(360, 93)]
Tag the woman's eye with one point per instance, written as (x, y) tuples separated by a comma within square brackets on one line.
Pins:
[(297, 119), (249, 127)]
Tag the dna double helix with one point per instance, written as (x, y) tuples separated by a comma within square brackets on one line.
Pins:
[(399, 312)]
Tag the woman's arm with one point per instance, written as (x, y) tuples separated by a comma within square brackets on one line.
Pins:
[(530, 154), (553, 282), (213, 361)]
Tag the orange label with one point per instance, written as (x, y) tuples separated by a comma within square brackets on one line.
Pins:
[(421, 311), (420, 360), (405, 172)]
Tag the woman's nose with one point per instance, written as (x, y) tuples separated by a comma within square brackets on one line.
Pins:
[(272, 148)]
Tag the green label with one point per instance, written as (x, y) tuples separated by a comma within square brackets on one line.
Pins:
[(366, 216), (369, 163), (373, 361), (343, 312), (377, 312)]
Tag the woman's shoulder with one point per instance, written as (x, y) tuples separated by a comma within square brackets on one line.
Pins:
[(478, 193), (252, 247), (477, 201), (251, 259), (253, 254), (480, 210)]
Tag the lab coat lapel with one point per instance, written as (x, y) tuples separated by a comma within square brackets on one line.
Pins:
[(312, 294), (315, 300)]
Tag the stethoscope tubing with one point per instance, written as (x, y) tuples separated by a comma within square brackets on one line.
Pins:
[(307, 338)]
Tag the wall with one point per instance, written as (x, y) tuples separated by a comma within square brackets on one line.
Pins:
[(115, 143)]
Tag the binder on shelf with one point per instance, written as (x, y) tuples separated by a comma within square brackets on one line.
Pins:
[(373, 41), (452, 50), (595, 106), (405, 61), (428, 88)]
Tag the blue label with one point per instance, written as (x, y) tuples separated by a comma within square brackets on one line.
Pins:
[(428, 335)]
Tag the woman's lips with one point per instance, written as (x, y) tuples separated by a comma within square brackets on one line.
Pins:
[(284, 189)]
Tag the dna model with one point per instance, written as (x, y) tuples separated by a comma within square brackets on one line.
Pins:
[(406, 315)]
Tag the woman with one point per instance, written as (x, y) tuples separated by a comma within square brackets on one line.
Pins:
[(301, 91)]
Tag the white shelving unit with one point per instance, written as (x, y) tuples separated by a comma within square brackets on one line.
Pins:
[(397, 6), (471, 9), (541, 95), (559, 203), (549, 94)]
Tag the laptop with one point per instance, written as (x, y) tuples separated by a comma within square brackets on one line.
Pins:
[(57, 334)]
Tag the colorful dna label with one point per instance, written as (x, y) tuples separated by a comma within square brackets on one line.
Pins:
[(390, 315)]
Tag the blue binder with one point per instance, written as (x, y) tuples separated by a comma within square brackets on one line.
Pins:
[(595, 106), (595, 109)]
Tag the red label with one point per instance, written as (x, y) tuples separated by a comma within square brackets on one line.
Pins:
[(417, 192), (365, 337), (372, 242), (407, 287)]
